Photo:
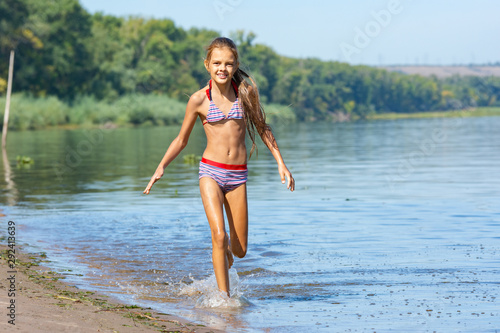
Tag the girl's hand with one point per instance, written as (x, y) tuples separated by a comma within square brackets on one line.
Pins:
[(157, 175), (285, 173)]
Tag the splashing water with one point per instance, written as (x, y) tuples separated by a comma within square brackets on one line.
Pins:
[(206, 293)]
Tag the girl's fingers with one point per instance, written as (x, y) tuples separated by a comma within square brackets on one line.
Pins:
[(291, 183), (287, 176), (153, 180)]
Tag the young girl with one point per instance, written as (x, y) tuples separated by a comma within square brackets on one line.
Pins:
[(228, 107)]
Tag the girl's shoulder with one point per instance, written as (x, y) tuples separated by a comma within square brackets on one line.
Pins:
[(199, 97)]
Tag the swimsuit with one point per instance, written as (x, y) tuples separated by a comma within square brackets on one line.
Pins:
[(215, 114), (227, 176)]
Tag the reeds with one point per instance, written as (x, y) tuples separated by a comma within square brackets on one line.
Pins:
[(30, 113), (27, 112)]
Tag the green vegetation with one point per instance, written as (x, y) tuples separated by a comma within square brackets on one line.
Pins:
[(74, 68), (24, 161), (131, 109)]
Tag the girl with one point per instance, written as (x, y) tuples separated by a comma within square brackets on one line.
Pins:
[(228, 107)]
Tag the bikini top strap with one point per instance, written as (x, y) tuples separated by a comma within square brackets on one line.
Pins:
[(235, 87), (209, 90)]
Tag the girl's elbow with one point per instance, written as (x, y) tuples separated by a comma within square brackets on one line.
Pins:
[(182, 143)]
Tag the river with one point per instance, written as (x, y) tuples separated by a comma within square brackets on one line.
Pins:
[(394, 224)]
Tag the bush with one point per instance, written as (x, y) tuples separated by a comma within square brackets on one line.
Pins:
[(276, 113), (27, 112), (154, 109)]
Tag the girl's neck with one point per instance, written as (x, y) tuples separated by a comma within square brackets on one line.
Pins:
[(222, 89)]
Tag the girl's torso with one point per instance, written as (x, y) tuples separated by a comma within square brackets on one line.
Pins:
[(224, 127)]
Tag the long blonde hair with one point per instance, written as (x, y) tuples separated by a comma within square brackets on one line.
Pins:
[(254, 115)]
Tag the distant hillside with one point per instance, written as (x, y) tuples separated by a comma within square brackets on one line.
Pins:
[(446, 71)]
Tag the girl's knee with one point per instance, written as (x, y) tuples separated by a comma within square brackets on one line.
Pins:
[(220, 239)]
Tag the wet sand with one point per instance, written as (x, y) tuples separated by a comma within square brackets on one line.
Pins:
[(44, 303)]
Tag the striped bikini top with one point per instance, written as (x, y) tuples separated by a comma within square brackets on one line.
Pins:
[(215, 114)]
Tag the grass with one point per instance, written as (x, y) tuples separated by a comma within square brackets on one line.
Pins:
[(277, 113), (30, 113)]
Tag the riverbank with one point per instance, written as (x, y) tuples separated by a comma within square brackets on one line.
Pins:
[(32, 113), (40, 301)]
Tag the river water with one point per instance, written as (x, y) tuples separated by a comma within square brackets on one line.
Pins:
[(394, 225)]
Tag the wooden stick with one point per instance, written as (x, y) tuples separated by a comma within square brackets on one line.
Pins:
[(7, 100)]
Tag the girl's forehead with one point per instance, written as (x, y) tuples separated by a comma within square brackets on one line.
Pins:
[(223, 53)]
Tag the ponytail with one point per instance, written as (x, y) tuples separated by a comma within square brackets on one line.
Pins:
[(255, 117)]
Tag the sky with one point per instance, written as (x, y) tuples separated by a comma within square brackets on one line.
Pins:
[(370, 32)]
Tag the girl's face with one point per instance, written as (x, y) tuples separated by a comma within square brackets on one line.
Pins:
[(222, 65)]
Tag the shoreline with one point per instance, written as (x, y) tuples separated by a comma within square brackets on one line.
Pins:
[(40, 301), (274, 110)]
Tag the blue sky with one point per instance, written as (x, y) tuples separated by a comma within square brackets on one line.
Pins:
[(436, 32)]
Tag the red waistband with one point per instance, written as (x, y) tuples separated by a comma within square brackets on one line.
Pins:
[(224, 166)]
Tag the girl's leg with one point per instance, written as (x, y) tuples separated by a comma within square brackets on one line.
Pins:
[(213, 200), (236, 205)]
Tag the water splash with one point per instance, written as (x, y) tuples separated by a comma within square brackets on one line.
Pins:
[(206, 293)]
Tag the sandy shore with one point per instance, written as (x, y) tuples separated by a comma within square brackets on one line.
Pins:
[(34, 299)]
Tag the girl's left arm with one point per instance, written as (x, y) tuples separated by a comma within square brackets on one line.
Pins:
[(269, 140)]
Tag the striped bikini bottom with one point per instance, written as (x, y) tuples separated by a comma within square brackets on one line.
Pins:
[(227, 176)]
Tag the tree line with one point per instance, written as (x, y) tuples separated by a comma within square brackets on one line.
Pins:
[(66, 52)]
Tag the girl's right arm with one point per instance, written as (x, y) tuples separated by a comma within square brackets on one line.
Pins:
[(180, 141)]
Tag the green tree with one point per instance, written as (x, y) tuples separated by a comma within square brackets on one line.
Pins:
[(63, 66), (15, 30), (112, 74)]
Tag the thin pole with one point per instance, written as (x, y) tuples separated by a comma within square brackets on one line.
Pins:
[(7, 100)]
